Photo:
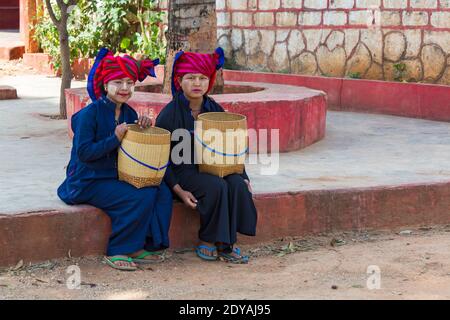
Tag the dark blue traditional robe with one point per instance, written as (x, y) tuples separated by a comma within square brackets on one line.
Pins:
[(139, 217), (225, 204)]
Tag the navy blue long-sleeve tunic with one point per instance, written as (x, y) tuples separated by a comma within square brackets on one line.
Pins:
[(140, 218), (94, 151), (177, 115), (225, 204)]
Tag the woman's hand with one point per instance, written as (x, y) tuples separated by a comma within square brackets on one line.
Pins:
[(187, 197), (145, 122), (120, 131), (249, 185)]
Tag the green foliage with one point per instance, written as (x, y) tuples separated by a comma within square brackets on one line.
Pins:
[(399, 71), (284, 71), (46, 34), (355, 75), (128, 26)]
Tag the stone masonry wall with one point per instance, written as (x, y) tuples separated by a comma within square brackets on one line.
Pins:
[(405, 40)]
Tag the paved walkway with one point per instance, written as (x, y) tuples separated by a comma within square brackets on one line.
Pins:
[(10, 38), (360, 150)]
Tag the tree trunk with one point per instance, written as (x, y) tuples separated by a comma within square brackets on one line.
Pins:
[(192, 27), (66, 78), (61, 25)]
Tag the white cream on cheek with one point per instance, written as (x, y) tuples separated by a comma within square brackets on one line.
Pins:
[(112, 89)]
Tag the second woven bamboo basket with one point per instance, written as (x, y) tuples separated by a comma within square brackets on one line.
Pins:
[(221, 143)]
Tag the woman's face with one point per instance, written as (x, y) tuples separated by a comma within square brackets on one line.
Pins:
[(120, 90), (194, 85)]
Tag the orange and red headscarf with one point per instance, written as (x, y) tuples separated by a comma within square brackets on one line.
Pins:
[(191, 62), (108, 67)]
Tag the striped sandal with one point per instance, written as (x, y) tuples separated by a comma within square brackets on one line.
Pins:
[(232, 255), (159, 257), (200, 254), (111, 262)]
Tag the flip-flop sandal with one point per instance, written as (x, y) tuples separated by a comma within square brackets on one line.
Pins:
[(110, 261), (229, 257), (205, 256), (141, 258)]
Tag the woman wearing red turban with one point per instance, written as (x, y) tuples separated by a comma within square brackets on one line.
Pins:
[(139, 217), (225, 204)]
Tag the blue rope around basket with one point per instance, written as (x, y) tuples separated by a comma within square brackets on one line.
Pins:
[(218, 152), (142, 163)]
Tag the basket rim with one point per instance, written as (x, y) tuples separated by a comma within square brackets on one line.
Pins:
[(164, 133), (221, 113)]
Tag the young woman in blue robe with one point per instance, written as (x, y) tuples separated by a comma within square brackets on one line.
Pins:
[(225, 204), (140, 218)]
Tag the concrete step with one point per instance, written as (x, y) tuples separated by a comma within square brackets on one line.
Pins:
[(7, 92), (12, 52), (84, 230)]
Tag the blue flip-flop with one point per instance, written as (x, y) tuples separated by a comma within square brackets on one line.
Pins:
[(228, 256), (204, 256)]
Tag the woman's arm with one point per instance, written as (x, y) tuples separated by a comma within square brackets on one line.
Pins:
[(162, 121), (84, 139), (170, 178), (244, 175)]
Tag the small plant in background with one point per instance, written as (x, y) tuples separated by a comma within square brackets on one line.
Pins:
[(231, 64), (354, 75), (399, 71), (285, 71)]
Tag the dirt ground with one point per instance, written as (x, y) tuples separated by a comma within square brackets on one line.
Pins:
[(15, 68), (413, 264), (410, 264)]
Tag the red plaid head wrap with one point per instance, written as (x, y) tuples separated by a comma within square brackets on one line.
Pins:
[(191, 62), (108, 67)]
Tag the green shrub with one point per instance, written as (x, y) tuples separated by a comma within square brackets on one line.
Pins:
[(128, 26)]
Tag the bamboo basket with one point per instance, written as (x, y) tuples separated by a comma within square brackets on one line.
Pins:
[(221, 143), (144, 156)]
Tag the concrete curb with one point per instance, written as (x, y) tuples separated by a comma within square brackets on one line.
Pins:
[(83, 230)]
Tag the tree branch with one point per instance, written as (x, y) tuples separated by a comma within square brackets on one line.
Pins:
[(55, 21)]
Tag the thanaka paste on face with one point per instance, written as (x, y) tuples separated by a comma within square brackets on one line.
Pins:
[(111, 89)]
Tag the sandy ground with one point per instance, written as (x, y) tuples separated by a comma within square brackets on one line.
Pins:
[(412, 264), (15, 68)]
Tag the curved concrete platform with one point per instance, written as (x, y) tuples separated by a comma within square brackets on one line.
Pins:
[(412, 100), (369, 172), (298, 113)]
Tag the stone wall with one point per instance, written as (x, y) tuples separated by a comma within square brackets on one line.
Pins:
[(373, 39)]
